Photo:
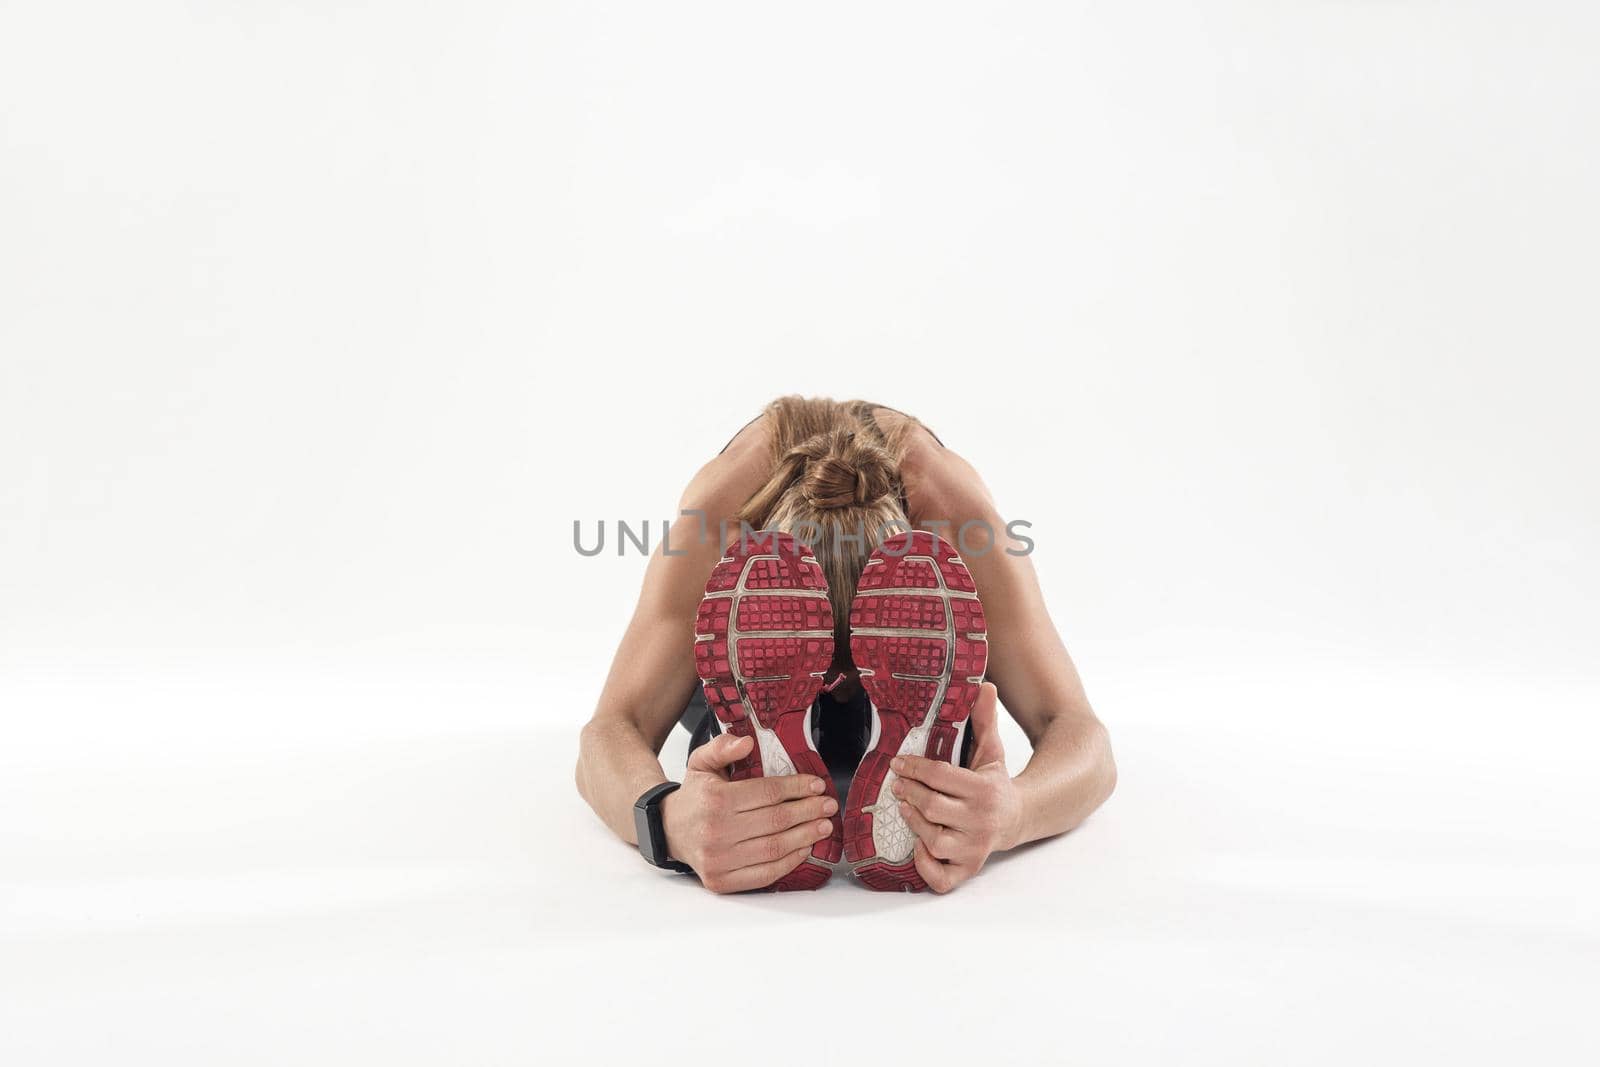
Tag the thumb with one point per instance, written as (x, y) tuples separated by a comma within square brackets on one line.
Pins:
[(718, 752), (986, 746)]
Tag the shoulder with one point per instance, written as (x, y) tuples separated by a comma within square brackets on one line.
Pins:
[(722, 485), (674, 581), (939, 483)]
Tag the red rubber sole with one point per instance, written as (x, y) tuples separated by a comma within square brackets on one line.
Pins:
[(763, 643), (920, 642)]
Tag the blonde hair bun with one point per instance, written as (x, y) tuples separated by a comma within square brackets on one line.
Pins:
[(843, 469)]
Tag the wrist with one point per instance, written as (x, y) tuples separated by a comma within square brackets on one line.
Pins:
[(671, 815), (1014, 831), (649, 823)]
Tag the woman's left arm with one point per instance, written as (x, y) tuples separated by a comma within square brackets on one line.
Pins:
[(962, 815)]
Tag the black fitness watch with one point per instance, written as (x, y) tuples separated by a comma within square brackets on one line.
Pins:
[(652, 835)]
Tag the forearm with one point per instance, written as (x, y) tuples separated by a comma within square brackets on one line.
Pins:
[(1070, 774), (649, 684), (616, 763)]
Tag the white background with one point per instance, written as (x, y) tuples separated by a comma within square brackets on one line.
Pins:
[(321, 323)]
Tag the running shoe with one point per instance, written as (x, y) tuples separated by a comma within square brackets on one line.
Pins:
[(920, 644), (763, 644)]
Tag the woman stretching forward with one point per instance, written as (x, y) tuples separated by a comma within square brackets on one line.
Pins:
[(835, 633)]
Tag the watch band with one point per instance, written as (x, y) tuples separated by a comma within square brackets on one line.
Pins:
[(648, 828)]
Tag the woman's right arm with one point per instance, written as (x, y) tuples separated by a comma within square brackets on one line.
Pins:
[(736, 835)]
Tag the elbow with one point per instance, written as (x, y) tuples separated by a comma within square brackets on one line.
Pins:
[(1105, 764), (580, 774)]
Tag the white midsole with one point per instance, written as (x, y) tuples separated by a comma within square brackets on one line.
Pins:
[(774, 759), (892, 837)]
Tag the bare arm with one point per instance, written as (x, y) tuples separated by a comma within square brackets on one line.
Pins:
[(652, 675), (736, 835), (651, 680), (1071, 771)]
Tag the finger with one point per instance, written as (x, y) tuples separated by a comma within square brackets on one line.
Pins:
[(762, 874), (755, 793), (768, 849), (954, 781), (935, 806), (718, 752), (764, 822), (939, 841), (986, 746), (940, 877)]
